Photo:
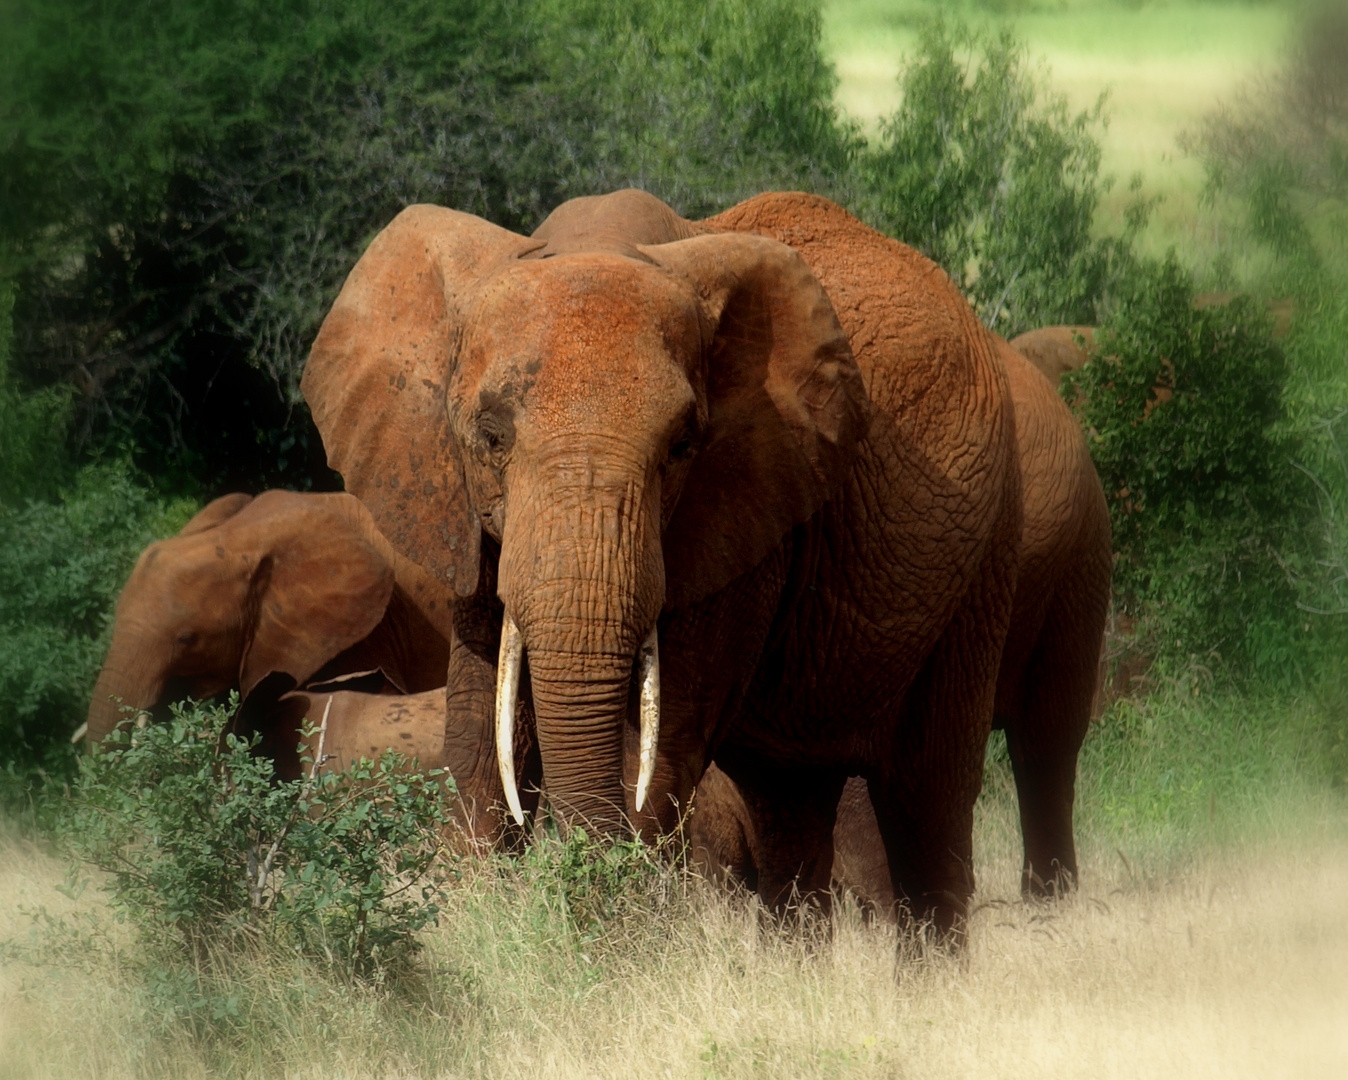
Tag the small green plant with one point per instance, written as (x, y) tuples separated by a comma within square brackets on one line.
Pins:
[(591, 882), (206, 850)]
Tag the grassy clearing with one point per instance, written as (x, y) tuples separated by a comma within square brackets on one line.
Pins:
[(1210, 938), (1164, 66)]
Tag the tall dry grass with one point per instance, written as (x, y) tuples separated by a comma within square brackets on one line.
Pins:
[(1229, 959)]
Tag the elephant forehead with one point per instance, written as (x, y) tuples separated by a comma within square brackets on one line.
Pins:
[(581, 321)]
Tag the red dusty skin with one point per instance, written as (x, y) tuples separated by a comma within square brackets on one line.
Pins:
[(122, 683), (584, 582)]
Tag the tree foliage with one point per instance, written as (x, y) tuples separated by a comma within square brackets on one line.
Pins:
[(1279, 149), (987, 172), (1187, 426), (185, 186)]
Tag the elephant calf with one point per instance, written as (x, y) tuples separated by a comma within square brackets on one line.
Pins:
[(300, 585)]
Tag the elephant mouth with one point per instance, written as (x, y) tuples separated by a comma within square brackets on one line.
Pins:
[(508, 668)]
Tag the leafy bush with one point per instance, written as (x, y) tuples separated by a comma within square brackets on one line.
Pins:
[(207, 850), (1184, 410), (702, 104), (62, 565), (32, 426), (987, 172)]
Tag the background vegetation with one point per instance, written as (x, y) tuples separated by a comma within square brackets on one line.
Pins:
[(183, 188)]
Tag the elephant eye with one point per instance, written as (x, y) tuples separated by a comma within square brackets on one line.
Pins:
[(493, 437), (187, 638), (681, 449)]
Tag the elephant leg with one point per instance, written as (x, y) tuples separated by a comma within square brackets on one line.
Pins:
[(924, 799), (788, 815), (709, 653), (718, 832), (860, 866), (1043, 738)]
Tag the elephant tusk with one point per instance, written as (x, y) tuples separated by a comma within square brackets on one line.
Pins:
[(649, 659), (507, 690), (80, 733)]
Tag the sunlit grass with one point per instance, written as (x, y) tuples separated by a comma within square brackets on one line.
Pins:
[(1209, 938), (1164, 65)]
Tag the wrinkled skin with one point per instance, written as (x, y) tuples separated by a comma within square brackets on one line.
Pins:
[(1045, 685), (779, 436), (297, 587)]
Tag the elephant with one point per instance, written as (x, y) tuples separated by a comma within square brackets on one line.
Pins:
[(285, 586), (1046, 683), (360, 714), (742, 490), (1057, 350), (1054, 350)]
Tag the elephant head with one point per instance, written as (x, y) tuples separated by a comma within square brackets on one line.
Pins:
[(279, 583), (634, 414)]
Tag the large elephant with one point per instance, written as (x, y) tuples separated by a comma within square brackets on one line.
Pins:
[(764, 463), (1045, 685), (286, 585)]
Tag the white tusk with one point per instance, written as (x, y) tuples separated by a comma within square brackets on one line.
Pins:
[(507, 690), (80, 733), (649, 659)]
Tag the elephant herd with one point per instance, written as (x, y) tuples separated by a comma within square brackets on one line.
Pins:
[(638, 505)]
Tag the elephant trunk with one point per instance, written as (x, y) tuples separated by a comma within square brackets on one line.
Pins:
[(584, 583), (121, 684)]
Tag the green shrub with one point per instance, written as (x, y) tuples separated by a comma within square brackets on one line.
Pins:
[(62, 565), (207, 850), (986, 171), (1185, 416), (32, 426)]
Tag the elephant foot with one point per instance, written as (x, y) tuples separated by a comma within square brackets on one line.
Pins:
[(1058, 881)]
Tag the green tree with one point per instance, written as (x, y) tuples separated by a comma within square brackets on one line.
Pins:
[(988, 173), (184, 186)]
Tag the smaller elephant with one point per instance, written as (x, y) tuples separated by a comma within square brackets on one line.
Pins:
[(1054, 350), (721, 841), (360, 716), (302, 586)]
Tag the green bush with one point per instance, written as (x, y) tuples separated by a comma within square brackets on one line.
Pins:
[(986, 171), (207, 850), (1185, 416), (62, 565), (32, 426)]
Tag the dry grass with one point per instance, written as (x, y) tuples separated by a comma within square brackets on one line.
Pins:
[(1232, 963)]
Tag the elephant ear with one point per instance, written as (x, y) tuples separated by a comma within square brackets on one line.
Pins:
[(319, 584), (215, 512), (376, 377), (786, 407)]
